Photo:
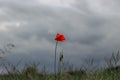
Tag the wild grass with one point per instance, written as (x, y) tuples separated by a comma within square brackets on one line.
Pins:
[(65, 72)]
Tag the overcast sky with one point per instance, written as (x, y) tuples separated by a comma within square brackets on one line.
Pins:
[(91, 28)]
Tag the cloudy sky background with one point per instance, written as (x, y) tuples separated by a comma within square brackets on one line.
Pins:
[(92, 29)]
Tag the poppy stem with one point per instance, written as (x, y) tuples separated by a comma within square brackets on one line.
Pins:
[(55, 59)]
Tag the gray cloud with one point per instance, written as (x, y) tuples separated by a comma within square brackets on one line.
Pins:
[(32, 26)]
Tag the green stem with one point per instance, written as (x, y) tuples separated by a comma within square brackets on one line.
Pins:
[(55, 59)]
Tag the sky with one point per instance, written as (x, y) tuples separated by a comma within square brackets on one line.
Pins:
[(91, 28)]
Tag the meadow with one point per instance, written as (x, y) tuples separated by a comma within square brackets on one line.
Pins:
[(31, 72)]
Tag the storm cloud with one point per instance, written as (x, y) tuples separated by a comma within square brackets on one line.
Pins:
[(90, 26)]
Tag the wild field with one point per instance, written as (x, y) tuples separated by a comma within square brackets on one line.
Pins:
[(31, 72)]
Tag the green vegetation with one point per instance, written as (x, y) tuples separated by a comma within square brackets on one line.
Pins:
[(66, 71), (31, 73)]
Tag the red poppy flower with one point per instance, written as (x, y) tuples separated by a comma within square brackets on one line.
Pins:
[(59, 37)]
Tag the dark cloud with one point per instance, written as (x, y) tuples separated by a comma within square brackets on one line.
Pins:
[(32, 26)]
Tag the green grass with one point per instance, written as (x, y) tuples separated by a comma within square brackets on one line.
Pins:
[(71, 75), (30, 72)]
